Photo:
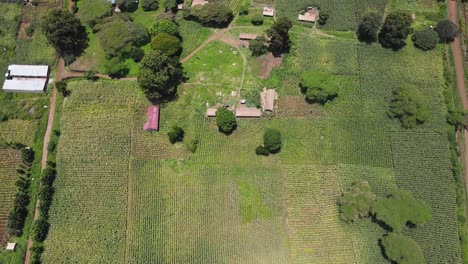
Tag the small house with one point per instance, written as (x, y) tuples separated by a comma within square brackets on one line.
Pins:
[(211, 112), (11, 246), (26, 78), (199, 2), (152, 118), (268, 100), (311, 15), (247, 36), (243, 111), (269, 12), (180, 6)]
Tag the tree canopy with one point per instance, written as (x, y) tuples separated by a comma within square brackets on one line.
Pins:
[(447, 30), (318, 87), (127, 5), (65, 33), (426, 39), (258, 46), (279, 34), (409, 106), (401, 208), (402, 249), (369, 27), (357, 202), (159, 76), (225, 120), (215, 14), (176, 134), (166, 43), (272, 140), (395, 30), (164, 26), (149, 5)]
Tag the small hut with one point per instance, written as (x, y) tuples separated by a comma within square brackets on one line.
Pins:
[(268, 100), (11, 246), (153, 118), (199, 2), (180, 6), (242, 111), (269, 12), (247, 36), (211, 112), (311, 15)]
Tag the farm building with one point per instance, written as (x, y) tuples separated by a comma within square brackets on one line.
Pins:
[(26, 78), (268, 100), (153, 118), (180, 6), (211, 112), (310, 16), (199, 2), (268, 11), (11, 246), (247, 36), (249, 112)]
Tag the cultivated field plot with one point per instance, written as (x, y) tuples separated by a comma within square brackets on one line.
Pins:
[(17, 130), (9, 161)]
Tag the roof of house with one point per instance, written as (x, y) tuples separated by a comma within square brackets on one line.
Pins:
[(247, 36), (199, 2), (268, 11), (27, 85), (153, 118), (28, 70), (10, 246), (244, 111), (310, 16), (180, 6), (211, 112), (268, 100)]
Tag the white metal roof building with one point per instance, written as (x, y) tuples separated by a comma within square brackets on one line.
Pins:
[(26, 78)]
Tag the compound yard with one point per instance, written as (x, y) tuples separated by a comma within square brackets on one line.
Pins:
[(130, 196)]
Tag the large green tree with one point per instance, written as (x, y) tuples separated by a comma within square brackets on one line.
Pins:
[(447, 30), (166, 43), (357, 202), (369, 27), (127, 5), (149, 5), (402, 249), (395, 30), (272, 140), (401, 208), (164, 26), (225, 120), (426, 39), (159, 76), (216, 14), (65, 33), (279, 34), (318, 87), (409, 106)]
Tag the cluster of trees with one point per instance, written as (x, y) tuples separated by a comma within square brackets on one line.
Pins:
[(65, 33), (19, 212), (213, 14), (393, 212), (396, 28), (45, 196), (318, 87), (272, 143), (409, 106), (279, 36), (165, 37)]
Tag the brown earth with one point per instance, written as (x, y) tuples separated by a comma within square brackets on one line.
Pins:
[(267, 64)]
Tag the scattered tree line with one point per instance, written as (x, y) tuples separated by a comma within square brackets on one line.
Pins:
[(393, 212), (272, 143)]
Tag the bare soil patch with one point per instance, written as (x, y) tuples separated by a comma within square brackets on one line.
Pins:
[(233, 42), (267, 64), (296, 106)]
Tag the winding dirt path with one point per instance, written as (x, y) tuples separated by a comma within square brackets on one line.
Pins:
[(217, 35)]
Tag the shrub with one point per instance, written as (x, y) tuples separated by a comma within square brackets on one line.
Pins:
[(91, 75), (323, 17), (149, 5), (136, 54), (225, 120), (18, 213), (164, 26), (127, 5), (41, 229), (395, 30), (279, 34), (52, 146), (409, 106), (27, 155), (369, 27), (116, 68), (258, 46), (75, 8), (426, 39), (455, 118), (257, 18), (215, 14), (46, 193), (48, 176), (357, 202), (244, 9), (29, 31), (402, 249), (318, 87), (192, 145), (261, 150), (166, 43), (61, 87), (272, 140), (176, 134), (447, 30), (252, 98), (401, 208)]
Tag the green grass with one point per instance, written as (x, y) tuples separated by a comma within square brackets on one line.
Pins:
[(90, 10), (193, 34)]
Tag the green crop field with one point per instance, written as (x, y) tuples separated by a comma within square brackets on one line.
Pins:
[(127, 195)]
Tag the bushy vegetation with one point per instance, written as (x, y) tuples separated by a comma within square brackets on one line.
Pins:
[(256, 18), (409, 106), (215, 14), (357, 202), (426, 39), (402, 250), (41, 228), (447, 30), (272, 140), (164, 26), (261, 150), (318, 87), (400, 209), (258, 46), (369, 27), (127, 5), (176, 134), (225, 120), (167, 44), (395, 30), (149, 5), (116, 68), (279, 34)]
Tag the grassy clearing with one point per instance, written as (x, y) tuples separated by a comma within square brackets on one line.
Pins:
[(193, 34)]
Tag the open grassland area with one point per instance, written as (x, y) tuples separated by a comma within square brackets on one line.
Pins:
[(130, 196), (9, 18), (9, 161)]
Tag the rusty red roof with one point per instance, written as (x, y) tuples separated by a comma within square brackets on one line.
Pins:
[(153, 118)]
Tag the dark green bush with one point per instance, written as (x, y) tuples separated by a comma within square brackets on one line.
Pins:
[(176, 134), (261, 150), (426, 39), (272, 140), (225, 120), (41, 229), (149, 5)]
